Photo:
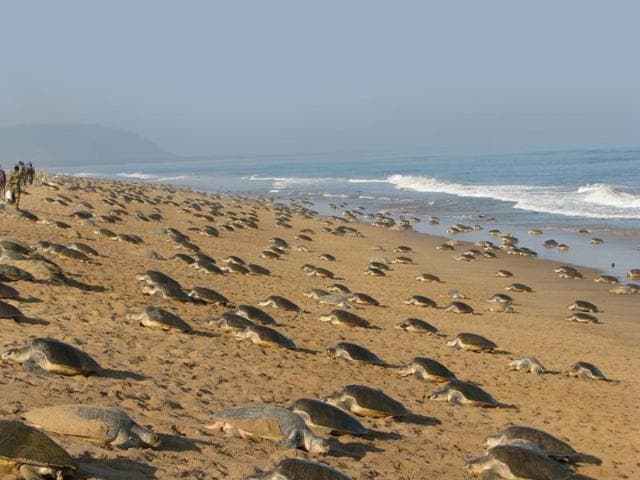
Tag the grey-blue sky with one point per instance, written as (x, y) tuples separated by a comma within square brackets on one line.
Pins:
[(300, 76)]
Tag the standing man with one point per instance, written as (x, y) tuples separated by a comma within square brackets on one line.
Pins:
[(3, 182), (30, 173), (15, 181)]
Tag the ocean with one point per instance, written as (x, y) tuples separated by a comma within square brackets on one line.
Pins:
[(559, 192)]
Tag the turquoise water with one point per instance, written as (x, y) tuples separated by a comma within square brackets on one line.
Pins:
[(557, 191)]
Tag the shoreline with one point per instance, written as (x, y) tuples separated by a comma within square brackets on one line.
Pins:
[(626, 249), (173, 382)]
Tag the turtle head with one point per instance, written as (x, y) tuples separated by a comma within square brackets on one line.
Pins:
[(493, 440), (330, 352), (146, 435), (477, 465), (16, 355), (314, 444), (441, 395)]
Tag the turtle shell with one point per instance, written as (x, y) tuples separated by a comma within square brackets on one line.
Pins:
[(9, 311), (65, 355), (298, 469), (324, 415), (27, 445), (374, 400)]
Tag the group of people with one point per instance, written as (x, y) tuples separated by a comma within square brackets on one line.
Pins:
[(21, 176)]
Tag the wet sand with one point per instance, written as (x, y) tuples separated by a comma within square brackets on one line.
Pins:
[(173, 382)]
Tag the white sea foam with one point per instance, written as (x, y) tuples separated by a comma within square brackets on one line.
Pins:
[(138, 175), (172, 179), (85, 174), (594, 201)]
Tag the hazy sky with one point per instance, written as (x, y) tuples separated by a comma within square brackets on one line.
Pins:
[(268, 76)]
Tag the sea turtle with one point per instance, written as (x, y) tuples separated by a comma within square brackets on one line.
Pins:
[(334, 299), (402, 260), (281, 303), (322, 273), (155, 317), (427, 369), (403, 249), (374, 272), (428, 277), (7, 291), (269, 422), (454, 294), (624, 290), (279, 242), (500, 298), (500, 307), (269, 255), (9, 311), (166, 290), (84, 248), (258, 269), (265, 336), (473, 342), (352, 351), (527, 364), (586, 371), (42, 355), (518, 287), (10, 245), (105, 425), (611, 280), (323, 416), (254, 314), (515, 462), (339, 288), (459, 307), (504, 273), (367, 402), (327, 257), (458, 392), (316, 293), (299, 469), (552, 446), (342, 317), (363, 299), (582, 317), (634, 274), (418, 326), (421, 301), (583, 306), (154, 277), (30, 454), (208, 295), (231, 321), (233, 267), (11, 273)]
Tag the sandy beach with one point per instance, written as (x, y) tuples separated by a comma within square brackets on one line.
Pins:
[(172, 382)]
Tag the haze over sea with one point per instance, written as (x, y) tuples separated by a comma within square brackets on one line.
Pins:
[(556, 191)]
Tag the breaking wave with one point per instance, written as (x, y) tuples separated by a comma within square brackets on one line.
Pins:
[(593, 200)]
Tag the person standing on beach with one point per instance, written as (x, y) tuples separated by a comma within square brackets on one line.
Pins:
[(23, 173), (30, 174), (15, 180), (3, 182)]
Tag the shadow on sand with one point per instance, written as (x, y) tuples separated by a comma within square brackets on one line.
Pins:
[(114, 469)]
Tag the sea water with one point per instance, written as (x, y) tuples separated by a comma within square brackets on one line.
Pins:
[(559, 192)]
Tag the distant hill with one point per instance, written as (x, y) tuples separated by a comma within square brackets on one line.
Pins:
[(72, 144)]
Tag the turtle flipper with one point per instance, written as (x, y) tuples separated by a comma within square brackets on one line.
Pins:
[(34, 368), (28, 472), (293, 441)]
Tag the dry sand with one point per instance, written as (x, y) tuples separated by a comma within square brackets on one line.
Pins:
[(173, 381)]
